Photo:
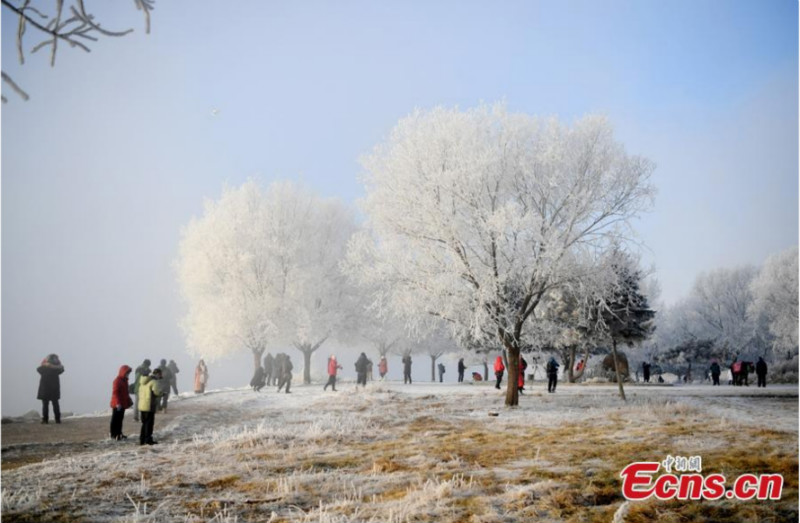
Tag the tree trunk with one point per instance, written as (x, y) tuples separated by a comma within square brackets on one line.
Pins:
[(512, 387), (257, 357), (307, 352), (433, 367), (571, 375), (616, 369), (485, 369)]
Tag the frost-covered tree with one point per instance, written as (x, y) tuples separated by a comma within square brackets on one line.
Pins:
[(717, 307), (262, 267), (622, 312), (476, 215), (775, 298)]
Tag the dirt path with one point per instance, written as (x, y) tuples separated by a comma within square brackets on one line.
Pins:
[(31, 442)]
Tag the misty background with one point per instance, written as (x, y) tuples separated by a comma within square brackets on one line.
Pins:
[(117, 149)]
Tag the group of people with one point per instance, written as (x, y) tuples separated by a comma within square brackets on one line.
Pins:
[(275, 370), (151, 389)]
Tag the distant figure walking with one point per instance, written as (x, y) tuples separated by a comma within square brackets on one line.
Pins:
[(120, 400), (761, 372), (383, 367), (499, 369), (285, 372), (362, 367), (200, 377), (333, 369), (259, 379), (407, 368), (166, 379), (441, 372), (269, 369), (150, 388), (715, 372), (461, 369), (173, 381), (141, 370), (646, 371), (552, 374), (50, 387)]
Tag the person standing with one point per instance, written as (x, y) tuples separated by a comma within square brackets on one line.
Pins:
[(441, 372), (333, 368), (285, 372), (259, 379), (200, 377), (715, 372), (166, 377), (552, 374), (646, 371), (269, 369), (173, 381), (362, 364), (141, 370), (50, 387), (461, 369), (499, 369), (120, 400), (761, 372), (521, 376), (383, 367), (407, 368), (150, 388)]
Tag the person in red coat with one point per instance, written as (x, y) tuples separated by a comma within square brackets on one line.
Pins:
[(333, 367), (521, 377), (499, 368), (120, 400)]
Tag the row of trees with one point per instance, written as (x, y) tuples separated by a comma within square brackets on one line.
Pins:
[(492, 230), (733, 312)]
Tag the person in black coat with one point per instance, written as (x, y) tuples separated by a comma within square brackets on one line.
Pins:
[(761, 372), (50, 386), (461, 369), (361, 369), (715, 372), (259, 379), (407, 368)]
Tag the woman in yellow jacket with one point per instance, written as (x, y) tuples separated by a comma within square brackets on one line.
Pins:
[(150, 387)]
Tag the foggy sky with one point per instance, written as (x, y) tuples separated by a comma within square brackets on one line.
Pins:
[(117, 149)]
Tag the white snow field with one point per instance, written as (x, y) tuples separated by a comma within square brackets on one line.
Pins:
[(424, 452)]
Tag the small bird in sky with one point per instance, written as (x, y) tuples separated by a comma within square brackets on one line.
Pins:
[(214, 112)]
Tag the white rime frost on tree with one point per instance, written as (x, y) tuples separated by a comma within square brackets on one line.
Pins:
[(475, 216), (262, 268), (775, 297)]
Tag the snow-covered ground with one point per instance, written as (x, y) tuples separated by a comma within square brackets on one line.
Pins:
[(425, 452)]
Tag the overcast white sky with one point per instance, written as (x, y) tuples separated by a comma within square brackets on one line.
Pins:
[(117, 149)]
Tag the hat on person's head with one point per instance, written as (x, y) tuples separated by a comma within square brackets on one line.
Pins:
[(53, 358), (146, 363), (163, 362)]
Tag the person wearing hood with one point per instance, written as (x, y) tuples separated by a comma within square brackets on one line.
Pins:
[(50, 386), (361, 369), (120, 400), (552, 374), (333, 368), (285, 372), (461, 369), (499, 369), (141, 370), (150, 388)]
